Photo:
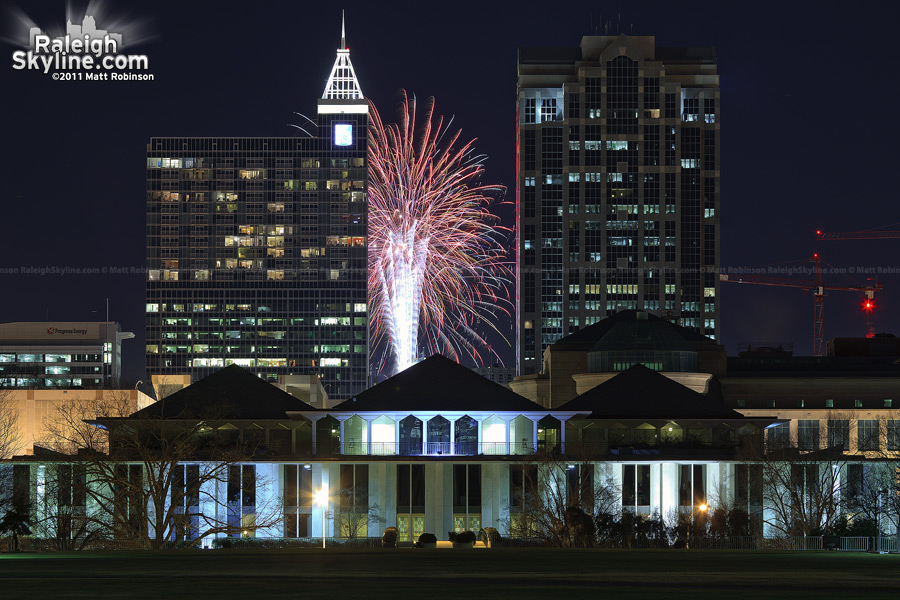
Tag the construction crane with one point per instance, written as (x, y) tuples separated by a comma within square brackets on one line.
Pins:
[(871, 234), (818, 289)]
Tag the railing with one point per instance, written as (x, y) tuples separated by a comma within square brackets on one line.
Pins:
[(794, 542), (238, 543), (797, 543), (575, 448), (524, 447), (36, 544), (888, 543), (855, 544), (436, 448)]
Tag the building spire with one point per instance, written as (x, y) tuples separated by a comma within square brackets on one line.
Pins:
[(342, 83)]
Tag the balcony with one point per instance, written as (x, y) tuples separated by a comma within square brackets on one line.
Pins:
[(434, 449)]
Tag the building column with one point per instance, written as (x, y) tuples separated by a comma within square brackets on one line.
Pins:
[(508, 422), (562, 436), (479, 436), (424, 436), (341, 426), (314, 421), (369, 437), (396, 434), (452, 436), (534, 439)]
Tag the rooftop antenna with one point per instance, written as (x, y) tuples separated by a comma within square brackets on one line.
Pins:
[(342, 83)]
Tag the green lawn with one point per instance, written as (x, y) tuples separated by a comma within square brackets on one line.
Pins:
[(407, 573)]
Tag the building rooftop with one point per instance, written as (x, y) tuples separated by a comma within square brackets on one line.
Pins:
[(625, 327), (571, 55), (641, 334), (438, 384), (231, 393), (640, 393)]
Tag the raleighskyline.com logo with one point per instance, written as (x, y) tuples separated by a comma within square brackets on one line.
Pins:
[(83, 53)]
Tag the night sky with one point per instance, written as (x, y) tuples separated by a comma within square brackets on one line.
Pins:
[(808, 117)]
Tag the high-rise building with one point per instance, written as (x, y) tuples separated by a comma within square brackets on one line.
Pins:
[(256, 248), (48, 355), (618, 187)]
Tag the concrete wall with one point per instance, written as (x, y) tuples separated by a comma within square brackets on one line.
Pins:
[(35, 409)]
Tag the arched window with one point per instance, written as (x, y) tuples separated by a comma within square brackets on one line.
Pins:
[(521, 435), (493, 435), (671, 433), (548, 434), (466, 436), (438, 436), (328, 436), (356, 435), (411, 436)]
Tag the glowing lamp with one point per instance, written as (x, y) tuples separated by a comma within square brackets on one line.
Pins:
[(703, 507), (321, 496)]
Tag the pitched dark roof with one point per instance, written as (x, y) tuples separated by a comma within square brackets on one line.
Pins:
[(642, 393), (642, 335), (439, 384), (231, 393), (590, 335)]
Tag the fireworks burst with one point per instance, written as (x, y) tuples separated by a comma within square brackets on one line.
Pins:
[(436, 265)]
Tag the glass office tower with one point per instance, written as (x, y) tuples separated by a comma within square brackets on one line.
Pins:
[(256, 248), (617, 187)]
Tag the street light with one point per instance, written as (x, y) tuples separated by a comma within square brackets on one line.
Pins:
[(321, 499), (701, 508)]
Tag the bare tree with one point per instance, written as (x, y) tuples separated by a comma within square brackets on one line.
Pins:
[(800, 486), (10, 440), (155, 479), (558, 498), (354, 514), (10, 434), (873, 483)]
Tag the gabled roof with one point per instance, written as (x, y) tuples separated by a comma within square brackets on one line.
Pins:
[(438, 384), (231, 393), (642, 393)]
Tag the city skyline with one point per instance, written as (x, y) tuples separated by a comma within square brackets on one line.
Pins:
[(88, 139)]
